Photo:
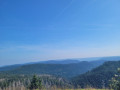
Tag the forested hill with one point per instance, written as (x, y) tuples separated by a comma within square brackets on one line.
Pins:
[(94, 60), (12, 67), (63, 70), (98, 77)]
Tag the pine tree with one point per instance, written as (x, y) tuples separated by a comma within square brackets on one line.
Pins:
[(40, 83), (36, 83)]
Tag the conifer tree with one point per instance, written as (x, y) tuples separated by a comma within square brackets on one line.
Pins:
[(36, 83)]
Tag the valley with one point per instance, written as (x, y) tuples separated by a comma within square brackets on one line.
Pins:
[(82, 74)]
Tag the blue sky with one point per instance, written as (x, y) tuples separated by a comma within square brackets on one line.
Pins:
[(34, 30)]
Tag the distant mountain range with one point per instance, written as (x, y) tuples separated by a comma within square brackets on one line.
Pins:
[(66, 61), (64, 68), (11, 67)]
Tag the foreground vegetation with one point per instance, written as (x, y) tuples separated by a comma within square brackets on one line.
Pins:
[(52, 89), (39, 83)]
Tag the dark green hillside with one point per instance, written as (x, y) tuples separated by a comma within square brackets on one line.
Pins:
[(64, 70), (10, 67), (98, 77), (96, 61)]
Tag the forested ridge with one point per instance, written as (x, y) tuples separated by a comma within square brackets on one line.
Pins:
[(99, 77), (61, 76), (63, 70)]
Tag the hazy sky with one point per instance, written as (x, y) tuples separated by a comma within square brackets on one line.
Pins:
[(34, 30)]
